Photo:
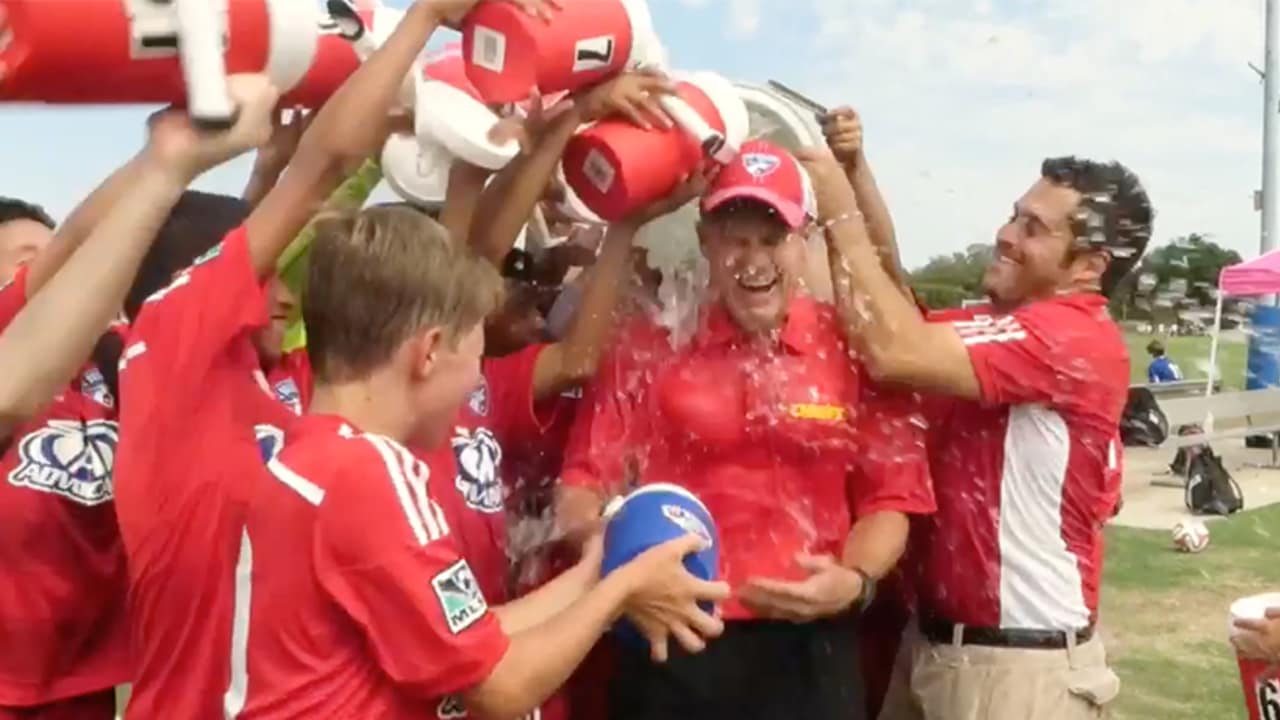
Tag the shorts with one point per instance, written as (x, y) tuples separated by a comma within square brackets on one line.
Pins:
[(757, 670)]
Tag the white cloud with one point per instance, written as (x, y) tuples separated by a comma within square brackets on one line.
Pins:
[(961, 101)]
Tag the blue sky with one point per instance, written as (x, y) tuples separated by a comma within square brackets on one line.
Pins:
[(961, 99)]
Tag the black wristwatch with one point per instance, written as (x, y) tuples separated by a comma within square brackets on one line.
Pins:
[(868, 593)]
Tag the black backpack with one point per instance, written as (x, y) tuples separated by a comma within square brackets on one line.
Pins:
[(1210, 488), (1143, 423)]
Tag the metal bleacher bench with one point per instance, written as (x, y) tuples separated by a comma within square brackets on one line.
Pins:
[(1179, 388), (1237, 414)]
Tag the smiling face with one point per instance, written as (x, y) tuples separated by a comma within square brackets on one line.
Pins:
[(1034, 256), (756, 263)]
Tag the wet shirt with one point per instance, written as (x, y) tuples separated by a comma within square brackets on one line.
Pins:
[(197, 417), (787, 443), (362, 603), (62, 622), (1027, 475)]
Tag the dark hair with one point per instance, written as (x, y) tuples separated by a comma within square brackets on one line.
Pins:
[(197, 222), (14, 209), (1114, 216), (1155, 347)]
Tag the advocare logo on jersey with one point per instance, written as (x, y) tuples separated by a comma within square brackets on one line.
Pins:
[(460, 597), (69, 458), (478, 457)]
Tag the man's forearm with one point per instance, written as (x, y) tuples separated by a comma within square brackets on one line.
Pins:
[(875, 312), (53, 335), (876, 543), (508, 202), (577, 356), (350, 127), (878, 219)]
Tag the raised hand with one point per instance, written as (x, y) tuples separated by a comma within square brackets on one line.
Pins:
[(633, 95), (665, 598), (174, 141), (843, 129)]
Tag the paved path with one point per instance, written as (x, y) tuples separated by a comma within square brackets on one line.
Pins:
[(1160, 508)]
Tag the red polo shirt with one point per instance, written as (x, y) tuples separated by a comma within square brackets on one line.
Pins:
[(1029, 473), (785, 442)]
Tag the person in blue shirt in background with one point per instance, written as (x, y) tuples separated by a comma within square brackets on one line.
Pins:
[(1161, 369)]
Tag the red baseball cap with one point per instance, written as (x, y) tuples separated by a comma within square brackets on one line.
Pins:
[(766, 173)]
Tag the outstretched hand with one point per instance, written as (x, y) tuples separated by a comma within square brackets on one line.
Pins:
[(829, 590), (633, 95), (176, 142)]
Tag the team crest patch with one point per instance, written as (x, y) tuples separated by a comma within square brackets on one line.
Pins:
[(687, 521), (451, 708), (478, 457), (460, 597), (478, 400), (760, 165), (68, 458), (286, 391), (270, 441), (94, 387)]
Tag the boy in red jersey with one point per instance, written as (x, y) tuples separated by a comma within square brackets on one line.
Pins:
[(64, 646), (197, 415), (362, 603)]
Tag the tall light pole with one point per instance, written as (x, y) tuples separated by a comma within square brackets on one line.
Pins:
[(1271, 132)]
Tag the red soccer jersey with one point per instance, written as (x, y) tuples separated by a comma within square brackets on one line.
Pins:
[(361, 603), (786, 444), (498, 414), (62, 630), (1027, 475), (196, 419)]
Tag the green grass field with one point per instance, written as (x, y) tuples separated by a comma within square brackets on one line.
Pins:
[(1191, 355), (1164, 616)]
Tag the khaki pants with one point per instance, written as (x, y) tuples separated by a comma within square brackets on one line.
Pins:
[(972, 682)]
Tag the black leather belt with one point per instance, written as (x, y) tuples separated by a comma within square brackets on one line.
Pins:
[(942, 632)]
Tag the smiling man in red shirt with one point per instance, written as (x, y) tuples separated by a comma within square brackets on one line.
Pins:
[(808, 469), (1022, 443)]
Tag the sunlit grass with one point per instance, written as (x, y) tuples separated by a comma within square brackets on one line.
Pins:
[(1164, 616)]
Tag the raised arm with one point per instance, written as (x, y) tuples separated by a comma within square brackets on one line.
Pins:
[(843, 130), (346, 131), (897, 344), (508, 202), (52, 336), (573, 360)]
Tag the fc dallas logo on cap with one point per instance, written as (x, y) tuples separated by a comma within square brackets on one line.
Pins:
[(760, 164)]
